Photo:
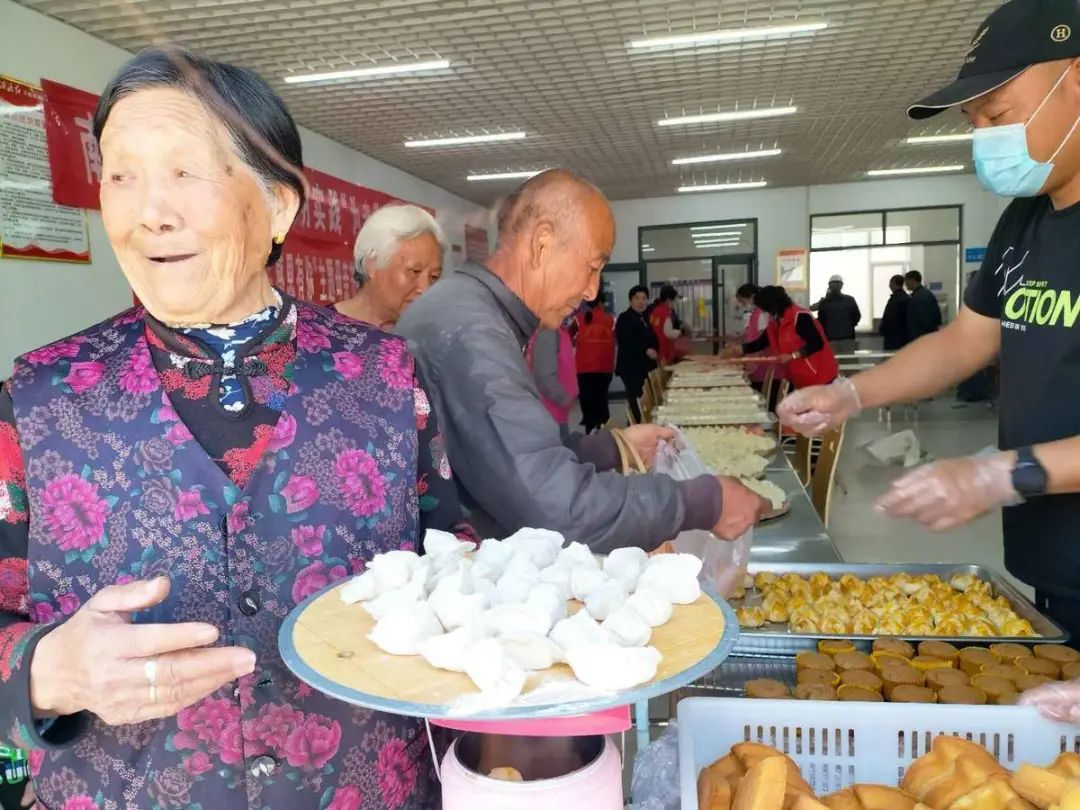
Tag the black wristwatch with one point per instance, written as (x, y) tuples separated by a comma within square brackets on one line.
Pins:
[(1029, 475)]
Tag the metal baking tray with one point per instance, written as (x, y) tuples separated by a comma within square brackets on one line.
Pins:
[(778, 640)]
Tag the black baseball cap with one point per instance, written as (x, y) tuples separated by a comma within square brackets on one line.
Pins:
[(1018, 35)]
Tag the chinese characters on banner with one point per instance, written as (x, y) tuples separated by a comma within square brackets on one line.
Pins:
[(74, 158), (317, 261), (32, 226), (476, 244)]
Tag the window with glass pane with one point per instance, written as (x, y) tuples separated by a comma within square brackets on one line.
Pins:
[(690, 241), (922, 225), (846, 230)]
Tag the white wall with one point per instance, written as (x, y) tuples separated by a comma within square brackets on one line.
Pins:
[(783, 214), (42, 301)]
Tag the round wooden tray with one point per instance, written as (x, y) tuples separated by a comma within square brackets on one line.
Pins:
[(324, 643)]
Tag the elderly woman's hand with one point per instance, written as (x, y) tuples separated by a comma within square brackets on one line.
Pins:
[(98, 661)]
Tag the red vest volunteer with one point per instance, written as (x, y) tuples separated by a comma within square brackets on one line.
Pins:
[(595, 342)]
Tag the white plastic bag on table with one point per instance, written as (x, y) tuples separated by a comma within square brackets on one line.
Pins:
[(723, 564), (655, 784)]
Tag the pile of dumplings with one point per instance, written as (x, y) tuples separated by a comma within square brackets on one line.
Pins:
[(500, 611)]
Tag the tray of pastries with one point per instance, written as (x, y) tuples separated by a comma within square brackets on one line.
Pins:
[(793, 605), (897, 671)]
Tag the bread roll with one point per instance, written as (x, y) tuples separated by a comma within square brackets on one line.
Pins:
[(894, 646), (937, 679), (1067, 765), (1070, 672), (913, 694), (962, 696), (854, 660), (939, 649), (1057, 653), (993, 685), (1006, 699), (1009, 672), (818, 661), (805, 801), (858, 694), (842, 800), (766, 689), (885, 659), (928, 662), (814, 691), (1008, 653), (880, 797), (866, 680), (750, 754), (763, 787), (997, 794), (1040, 786), (1029, 682), (953, 768), (835, 646), (901, 675), (972, 659), (1040, 666), (816, 677), (714, 790)]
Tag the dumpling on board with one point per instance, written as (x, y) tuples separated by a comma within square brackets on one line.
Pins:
[(675, 576), (448, 651), (576, 555), (495, 556), (361, 588), (605, 599), (402, 630), (558, 577), (493, 671), (651, 605), (579, 630), (439, 544), (613, 668), (627, 628), (531, 651), (584, 580), (393, 569), (546, 599), (503, 620), (541, 545), (626, 565)]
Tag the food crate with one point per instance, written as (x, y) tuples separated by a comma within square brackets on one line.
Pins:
[(840, 744)]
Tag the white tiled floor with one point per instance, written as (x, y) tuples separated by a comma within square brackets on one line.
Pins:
[(862, 535)]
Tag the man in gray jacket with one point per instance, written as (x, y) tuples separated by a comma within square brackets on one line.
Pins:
[(469, 333)]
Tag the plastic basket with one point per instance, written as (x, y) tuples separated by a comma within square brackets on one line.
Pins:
[(841, 744)]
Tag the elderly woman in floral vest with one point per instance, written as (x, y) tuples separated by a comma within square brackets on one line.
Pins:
[(175, 480)]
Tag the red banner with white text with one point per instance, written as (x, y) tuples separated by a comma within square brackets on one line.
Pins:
[(74, 159)]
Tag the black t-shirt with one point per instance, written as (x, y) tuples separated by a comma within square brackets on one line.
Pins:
[(1031, 281)]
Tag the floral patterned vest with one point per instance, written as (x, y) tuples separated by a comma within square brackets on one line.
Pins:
[(117, 492)]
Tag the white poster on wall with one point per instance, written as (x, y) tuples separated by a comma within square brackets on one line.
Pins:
[(791, 269)]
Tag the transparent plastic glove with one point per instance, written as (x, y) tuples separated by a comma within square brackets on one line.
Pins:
[(814, 410), (1056, 701), (947, 494)]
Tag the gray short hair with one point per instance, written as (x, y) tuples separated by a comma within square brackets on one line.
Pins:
[(385, 230)]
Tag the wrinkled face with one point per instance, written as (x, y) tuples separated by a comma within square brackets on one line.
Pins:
[(1017, 102), (189, 222), (414, 267), (640, 302), (567, 265)]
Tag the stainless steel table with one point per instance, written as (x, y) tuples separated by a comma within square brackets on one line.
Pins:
[(798, 536)]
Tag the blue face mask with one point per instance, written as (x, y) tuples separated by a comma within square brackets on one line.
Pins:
[(1004, 163)]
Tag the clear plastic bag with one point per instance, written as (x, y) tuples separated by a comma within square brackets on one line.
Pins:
[(655, 784), (723, 564)]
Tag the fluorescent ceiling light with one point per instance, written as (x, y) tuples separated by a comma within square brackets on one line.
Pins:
[(918, 140), (375, 71), (739, 225), (729, 156), (505, 175), (723, 187), (729, 35), (732, 115), (915, 170), (494, 137)]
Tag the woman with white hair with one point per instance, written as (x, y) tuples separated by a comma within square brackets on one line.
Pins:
[(398, 255)]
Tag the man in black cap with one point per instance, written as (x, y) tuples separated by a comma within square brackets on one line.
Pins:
[(1020, 88)]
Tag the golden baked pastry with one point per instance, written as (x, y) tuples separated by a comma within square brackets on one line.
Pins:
[(1008, 653), (1010, 672), (807, 802), (842, 800), (1067, 765), (962, 696), (950, 626), (506, 774), (751, 617), (854, 660), (880, 797), (864, 623), (901, 675), (963, 582), (1018, 628), (1040, 786), (928, 662), (1006, 699), (972, 659), (859, 677), (1057, 653), (858, 694), (884, 659), (937, 679), (751, 754), (940, 649), (993, 685), (809, 660), (716, 784), (776, 609), (815, 691), (1040, 666), (835, 646), (894, 646), (764, 580), (1070, 672), (953, 768), (1029, 682), (816, 677), (913, 694), (766, 689), (997, 794), (834, 623)]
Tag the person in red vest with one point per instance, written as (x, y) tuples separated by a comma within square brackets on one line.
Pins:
[(595, 363), (794, 338), (663, 323)]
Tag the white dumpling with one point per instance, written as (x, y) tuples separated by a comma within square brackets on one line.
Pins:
[(393, 568), (613, 668), (513, 589), (405, 597), (362, 588), (507, 620), (493, 671), (495, 555), (626, 565), (438, 544), (559, 577), (448, 651), (455, 609), (547, 599), (522, 565), (532, 651), (686, 563), (579, 630), (605, 599), (486, 587), (584, 580), (483, 570), (401, 631), (576, 555), (627, 628), (651, 605), (676, 579), (540, 544)]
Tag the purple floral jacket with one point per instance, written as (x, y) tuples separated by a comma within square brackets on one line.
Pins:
[(105, 478)]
